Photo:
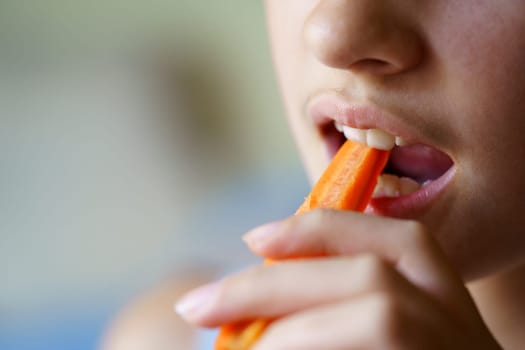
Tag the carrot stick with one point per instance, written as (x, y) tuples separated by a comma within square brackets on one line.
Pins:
[(347, 184)]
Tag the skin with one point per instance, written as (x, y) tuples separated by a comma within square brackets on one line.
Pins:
[(148, 321), (450, 277)]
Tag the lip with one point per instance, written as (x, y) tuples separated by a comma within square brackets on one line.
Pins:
[(329, 107), (411, 206)]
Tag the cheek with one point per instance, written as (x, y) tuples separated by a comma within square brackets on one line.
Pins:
[(285, 21), (481, 58), (481, 55)]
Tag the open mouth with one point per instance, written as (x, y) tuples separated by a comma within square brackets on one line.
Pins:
[(415, 172)]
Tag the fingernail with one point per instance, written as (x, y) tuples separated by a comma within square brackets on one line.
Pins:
[(196, 301), (257, 237)]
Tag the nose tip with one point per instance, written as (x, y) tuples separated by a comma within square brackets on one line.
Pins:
[(361, 36)]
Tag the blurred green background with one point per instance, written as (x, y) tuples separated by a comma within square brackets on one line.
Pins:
[(137, 139)]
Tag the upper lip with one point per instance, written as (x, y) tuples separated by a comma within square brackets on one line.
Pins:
[(331, 106)]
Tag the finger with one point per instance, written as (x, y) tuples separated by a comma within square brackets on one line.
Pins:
[(276, 290), (404, 243), (373, 321)]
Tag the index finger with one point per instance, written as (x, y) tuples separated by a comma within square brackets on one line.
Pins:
[(405, 244)]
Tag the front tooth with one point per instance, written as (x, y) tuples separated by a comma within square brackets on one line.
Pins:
[(400, 141), (380, 139), (354, 134), (338, 126), (374, 138)]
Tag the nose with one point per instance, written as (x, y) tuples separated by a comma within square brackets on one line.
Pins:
[(365, 36)]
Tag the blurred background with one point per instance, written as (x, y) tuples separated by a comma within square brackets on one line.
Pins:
[(137, 139)]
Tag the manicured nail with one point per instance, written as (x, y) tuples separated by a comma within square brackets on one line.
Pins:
[(259, 236), (196, 301)]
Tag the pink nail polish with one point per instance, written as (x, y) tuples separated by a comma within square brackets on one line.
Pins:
[(257, 237), (196, 301)]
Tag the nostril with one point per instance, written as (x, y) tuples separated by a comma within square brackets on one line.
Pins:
[(363, 36), (373, 65)]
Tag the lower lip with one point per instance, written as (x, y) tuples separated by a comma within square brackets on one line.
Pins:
[(412, 205)]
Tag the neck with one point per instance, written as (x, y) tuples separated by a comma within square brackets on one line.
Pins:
[(501, 301)]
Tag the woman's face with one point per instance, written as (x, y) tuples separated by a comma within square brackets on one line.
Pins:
[(448, 77)]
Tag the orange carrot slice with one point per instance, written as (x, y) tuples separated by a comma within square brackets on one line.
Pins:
[(347, 184)]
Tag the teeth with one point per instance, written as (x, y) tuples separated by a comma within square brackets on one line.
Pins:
[(380, 139), (394, 186), (387, 186), (400, 141), (375, 138), (356, 135), (339, 127)]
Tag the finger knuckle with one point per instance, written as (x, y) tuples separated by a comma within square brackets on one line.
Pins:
[(320, 217), (376, 271)]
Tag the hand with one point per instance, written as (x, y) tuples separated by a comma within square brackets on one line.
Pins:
[(374, 283)]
